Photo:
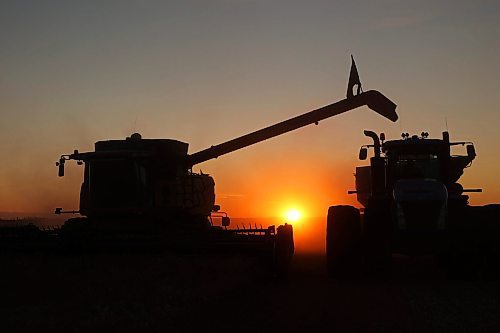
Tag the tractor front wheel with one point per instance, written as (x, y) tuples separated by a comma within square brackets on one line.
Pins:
[(343, 238)]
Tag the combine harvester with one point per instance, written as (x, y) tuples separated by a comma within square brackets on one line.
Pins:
[(142, 193)]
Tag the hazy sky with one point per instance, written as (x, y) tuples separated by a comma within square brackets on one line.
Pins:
[(72, 73)]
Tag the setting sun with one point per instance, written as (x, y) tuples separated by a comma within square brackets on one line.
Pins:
[(292, 215)]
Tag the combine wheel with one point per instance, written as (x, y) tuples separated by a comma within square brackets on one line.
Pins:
[(343, 238), (74, 233), (283, 250), (74, 226)]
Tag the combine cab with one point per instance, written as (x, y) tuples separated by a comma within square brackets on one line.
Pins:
[(413, 205)]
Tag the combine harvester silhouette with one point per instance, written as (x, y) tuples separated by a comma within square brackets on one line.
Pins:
[(142, 193)]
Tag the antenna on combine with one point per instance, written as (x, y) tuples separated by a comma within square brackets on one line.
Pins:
[(135, 125)]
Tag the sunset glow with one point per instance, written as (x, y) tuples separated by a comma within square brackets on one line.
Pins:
[(293, 215), (231, 72)]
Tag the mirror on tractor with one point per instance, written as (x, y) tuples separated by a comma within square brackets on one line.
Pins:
[(60, 164), (471, 151), (226, 221), (363, 153)]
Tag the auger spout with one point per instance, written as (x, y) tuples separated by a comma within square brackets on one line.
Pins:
[(372, 98)]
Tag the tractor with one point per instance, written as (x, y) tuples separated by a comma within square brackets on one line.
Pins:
[(414, 206)]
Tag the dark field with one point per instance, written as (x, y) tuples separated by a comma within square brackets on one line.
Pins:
[(167, 293)]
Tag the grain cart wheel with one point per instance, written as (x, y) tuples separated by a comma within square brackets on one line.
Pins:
[(283, 250), (343, 240)]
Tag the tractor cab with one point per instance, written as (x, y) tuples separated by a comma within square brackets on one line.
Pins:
[(413, 205), (415, 160)]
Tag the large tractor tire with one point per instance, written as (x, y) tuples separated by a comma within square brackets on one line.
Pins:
[(343, 242), (490, 215), (484, 255), (473, 250)]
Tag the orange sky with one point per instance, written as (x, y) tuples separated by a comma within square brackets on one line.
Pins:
[(71, 75)]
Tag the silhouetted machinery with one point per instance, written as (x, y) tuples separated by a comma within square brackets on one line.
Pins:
[(143, 191), (413, 205)]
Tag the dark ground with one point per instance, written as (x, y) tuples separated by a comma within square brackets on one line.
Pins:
[(167, 293)]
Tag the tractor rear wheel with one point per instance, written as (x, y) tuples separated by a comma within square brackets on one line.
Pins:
[(473, 250), (343, 238), (490, 216)]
